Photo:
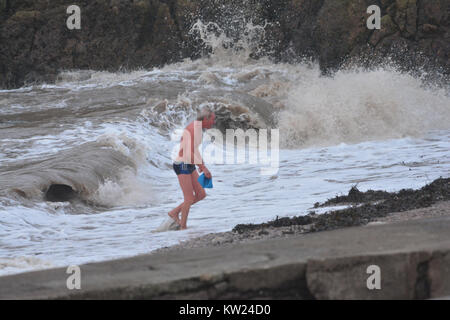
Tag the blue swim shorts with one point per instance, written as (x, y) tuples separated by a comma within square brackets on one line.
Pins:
[(183, 168)]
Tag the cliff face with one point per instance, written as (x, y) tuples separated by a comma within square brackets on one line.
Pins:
[(35, 42)]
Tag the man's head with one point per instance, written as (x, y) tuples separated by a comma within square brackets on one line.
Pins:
[(207, 117)]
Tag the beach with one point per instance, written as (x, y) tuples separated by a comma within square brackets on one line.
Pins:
[(411, 254), (331, 141), (432, 201)]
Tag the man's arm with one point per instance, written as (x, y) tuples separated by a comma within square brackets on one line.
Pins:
[(196, 141)]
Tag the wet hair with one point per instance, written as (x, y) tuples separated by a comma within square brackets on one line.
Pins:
[(204, 112)]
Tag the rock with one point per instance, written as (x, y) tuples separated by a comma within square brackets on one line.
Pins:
[(161, 106), (406, 17), (388, 28), (430, 28), (148, 33), (434, 12), (337, 36)]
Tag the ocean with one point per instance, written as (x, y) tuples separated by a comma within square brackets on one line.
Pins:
[(109, 138)]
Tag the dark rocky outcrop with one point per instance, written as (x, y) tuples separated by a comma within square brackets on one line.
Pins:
[(127, 34)]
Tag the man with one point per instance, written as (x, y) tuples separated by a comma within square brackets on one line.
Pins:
[(184, 165)]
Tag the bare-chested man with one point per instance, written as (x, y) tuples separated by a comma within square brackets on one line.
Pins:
[(184, 165)]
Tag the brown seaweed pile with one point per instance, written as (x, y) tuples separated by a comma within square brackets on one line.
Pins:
[(365, 207)]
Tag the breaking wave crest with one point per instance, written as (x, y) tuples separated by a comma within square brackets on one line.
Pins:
[(101, 173), (359, 105)]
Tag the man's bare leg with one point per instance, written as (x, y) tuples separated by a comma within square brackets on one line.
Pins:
[(174, 214), (185, 181), (199, 192), (184, 214)]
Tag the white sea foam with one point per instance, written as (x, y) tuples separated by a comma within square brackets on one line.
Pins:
[(112, 135), (359, 105)]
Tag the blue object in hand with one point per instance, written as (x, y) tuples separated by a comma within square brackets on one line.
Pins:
[(205, 182)]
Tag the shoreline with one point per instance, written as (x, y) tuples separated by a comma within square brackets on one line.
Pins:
[(434, 202), (281, 259), (365, 209), (413, 256)]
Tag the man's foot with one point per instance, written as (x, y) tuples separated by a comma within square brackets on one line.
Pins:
[(175, 217)]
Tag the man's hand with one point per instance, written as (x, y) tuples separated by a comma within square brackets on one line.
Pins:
[(207, 173), (202, 168)]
